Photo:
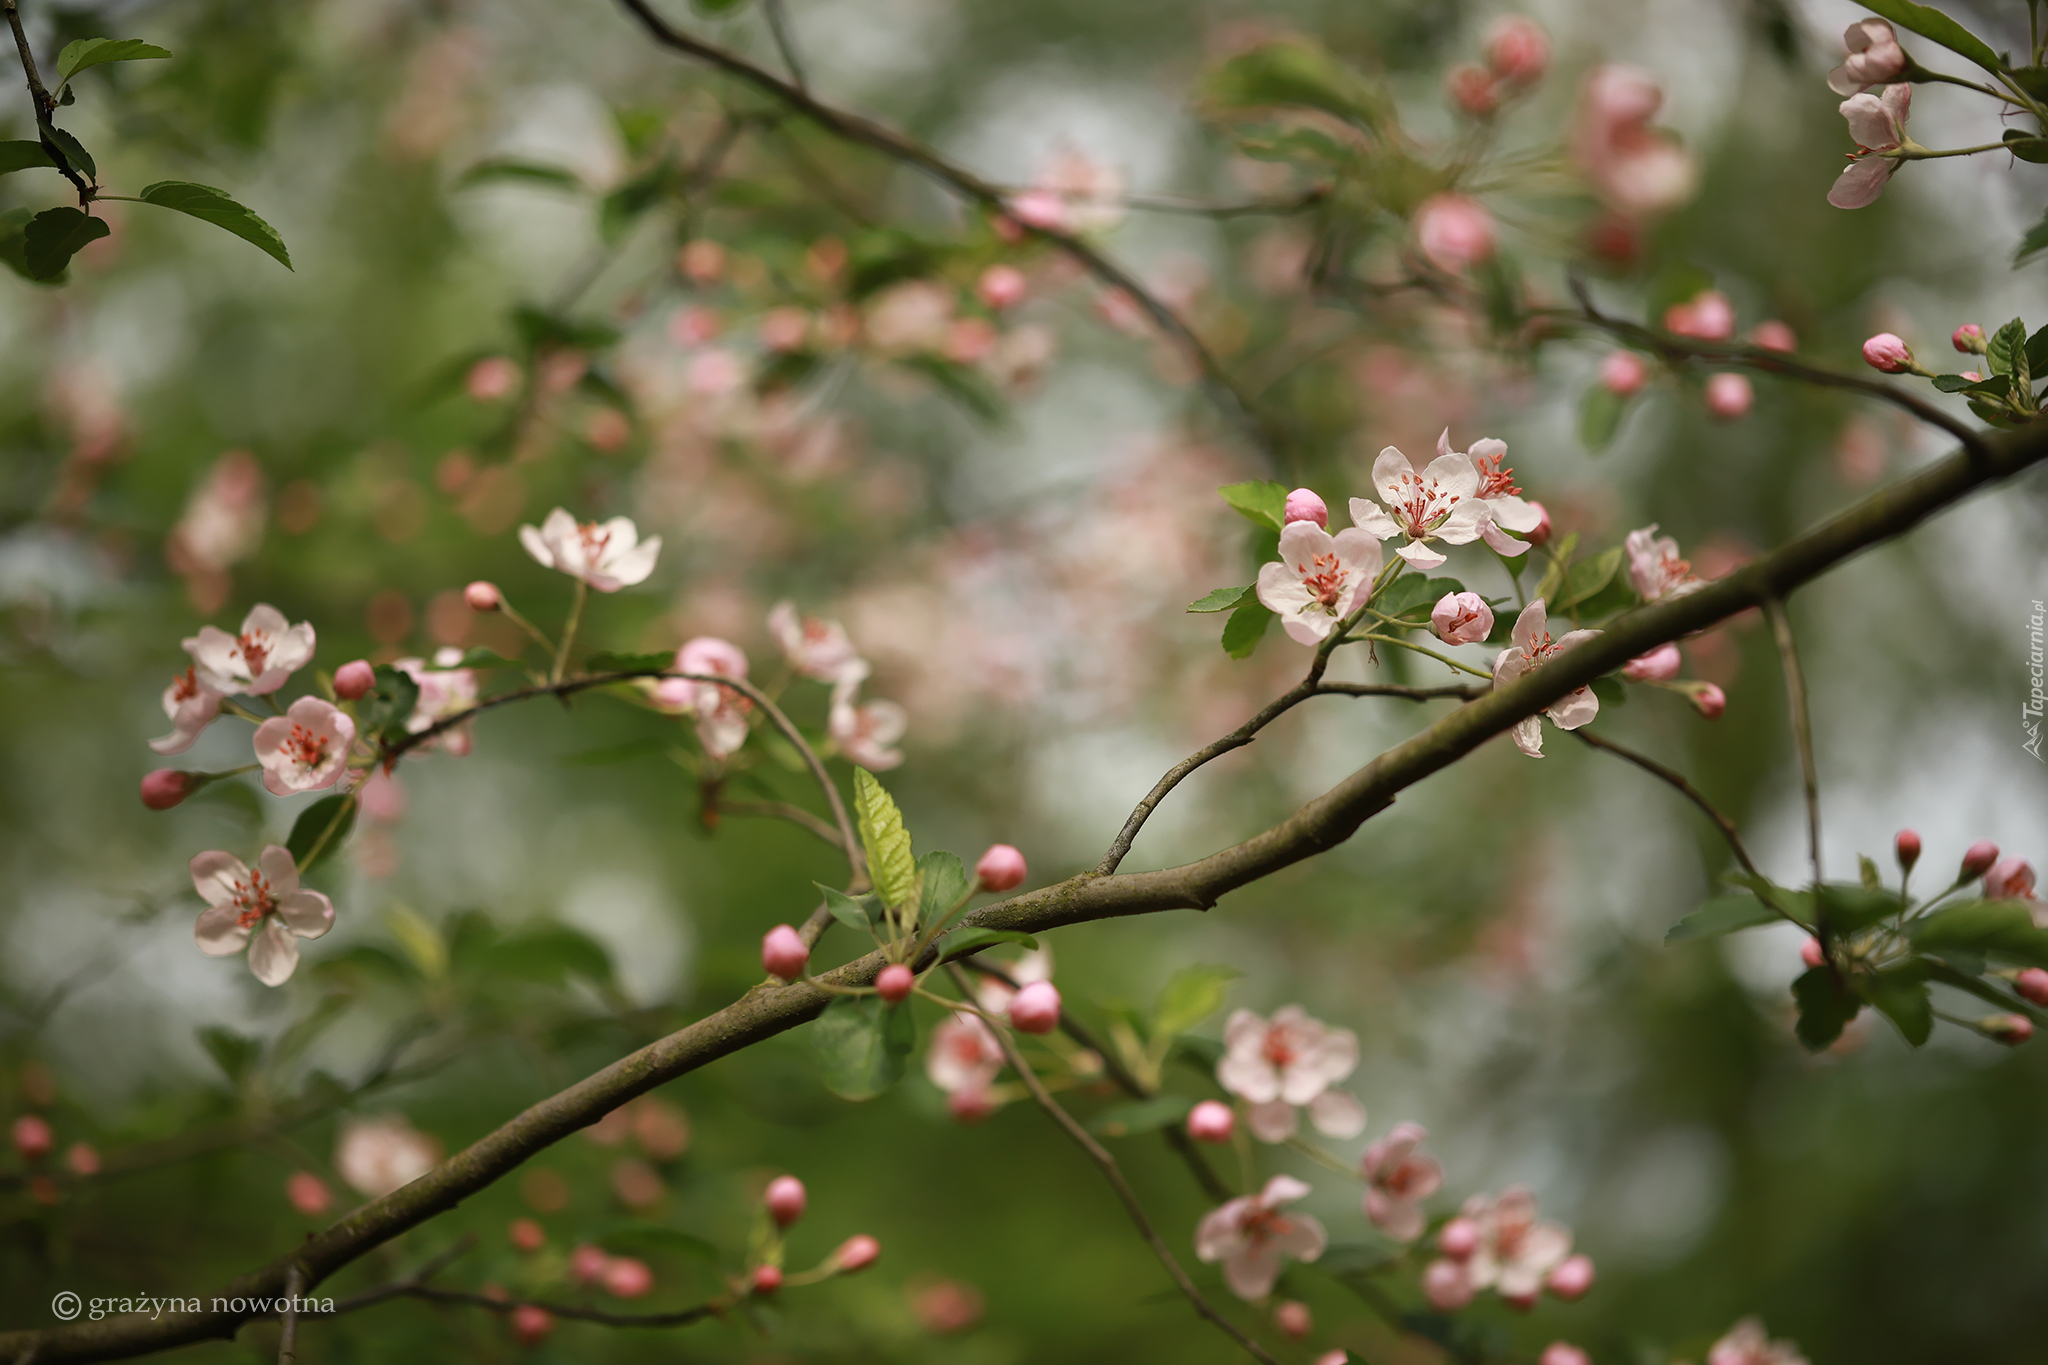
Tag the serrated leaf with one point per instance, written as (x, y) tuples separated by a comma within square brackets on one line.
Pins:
[(501, 169), (1415, 595), (1825, 1007), (1932, 23), (1845, 909), (1246, 626), (2002, 929), (89, 52), (1190, 995), (1220, 599), (320, 831), (210, 205), (891, 867), (54, 236), (1997, 386), (1722, 915), (1140, 1116), (851, 911), (22, 156), (1260, 501), (2006, 352), (1600, 414), (1900, 994), (943, 880), (612, 662), (2035, 240), (1587, 579), (862, 1045), (963, 942)]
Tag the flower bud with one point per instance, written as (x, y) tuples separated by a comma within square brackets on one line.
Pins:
[(1563, 1353), (785, 1199), (895, 983), (166, 787), (1888, 353), (1710, 700), (1572, 1278), (1458, 1238), (1001, 286), (1453, 232), (1304, 504), (1211, 1121), (1001, 868), (1708, 316), (1293, 1318), (483, 596), (587, 1263), (1335, 1357), (1659, 665), (1812, 954), (1472, 90), (1729, 396), (767, 1279), (1968, 338), (492, 379), (82, 1159), (1036, 1008), (32, 1137), (526, 1235), (2032, 984), (1773, 336), (970, 1104), (1461, 618), (1517, 49), (2010, 1029), (354, 679), (1446, 1285), (783, 952), (1907, 848), (531, 1324), (626, 1278), (857, 1252), (1541, 535), (308, 1193), (1623, 373), (1977, 860)]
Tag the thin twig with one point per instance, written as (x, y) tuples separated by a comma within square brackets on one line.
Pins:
[(680, 1318), (1110, 1172), (782, 810), (428, 1268), (288, 1339), (785, 43), (1802, 726), (1684, 788), (45, 106)]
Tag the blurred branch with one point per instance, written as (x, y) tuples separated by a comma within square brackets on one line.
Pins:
[(44, 104), (785, 42), (782, 810), (1684, 788), (1802, 728)]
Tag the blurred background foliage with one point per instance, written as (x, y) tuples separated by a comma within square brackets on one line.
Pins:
[(1010, 520)]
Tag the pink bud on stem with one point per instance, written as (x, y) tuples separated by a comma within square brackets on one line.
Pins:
[(895, 983), (627, 1278), (783, 952), (1293, 1318), (1622, 373), (1888, 353), (483, 596), (1001, 286), (1541, 535), (1812, 954), (1907, 848), (33, 1137), (2032, 984), (1000, 869), (1710, 700), (1572, 1278), (785, 1199), (354, 679), (1968, 338), (1977, 860), (857, 1252), (1729, 396), (1773, 336), (1211, 1121), (1036, 1008), (532, 1324), (1458, 1238), (2010, 1029), (166, 787), (767, 1279)]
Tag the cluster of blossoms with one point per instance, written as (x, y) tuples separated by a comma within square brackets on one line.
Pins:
[(1707, 316), (35, 1139)]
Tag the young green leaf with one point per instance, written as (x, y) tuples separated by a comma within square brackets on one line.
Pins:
[(1221, 599), (1932, 23), (851, 911), (54, 236), (1413, 595), (964, 942), (1191, 995), (1587, 579), (1825, 1007), (213, 206), (890, 864), (22, 156), (383, 713), (2002, 929), (1849, 908), (944, 883), (90, 52), (1260, 501), (1722, 915), (1900, 994), (75, 153), (501, 169), (320, 831), (861, 1045), (1600, 414), (1242, 632), (2006, 352)]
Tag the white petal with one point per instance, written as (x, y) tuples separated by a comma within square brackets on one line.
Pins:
[(1870, 123), (1280, 590), (1250, 1273), (1217, 1235), (216, 875), (279, 869), (1282, 1189), (1513, 514), (1455, 474), (530, 537), (1371, 518), (1249, 1077), (1528, 736), (1387, 473), (1400, 1219), (1303, 1238), (1501, 542), (307, 913), (1419, 554), (1301, 542), (1575, 708), (1534, 621), (1463, 525), (264, 619), (1860, 185), (1337, 1113), (274, 955), (1274, 1121), (217, 933), (1358, 549), (635, 564)]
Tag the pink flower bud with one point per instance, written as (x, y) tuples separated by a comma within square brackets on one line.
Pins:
[(626, 1278), (1293, 1318), (1517, 49), (1659, 665), (1708, 316), (1572, 1278), (857, 1252), (1458, 1238), (1461, 618), (1521, 1303), (1623, 373), (166, 787), (1001, 868), (1773, 336), (308, 1193), (1304, 504), (1541, 535), (1729, 396), (1968, 338), (1977, 860), (1036, 1008), (1812, 954), (587, 1263), (531, 1324), (526, 1235), (1472, 89), (970, 1104), (783, 952), (483, 595), (895, 983), (354, 679), (767, 1279), (2032, 984), (1001, 286), (492, 379), (1454, 232), (1446, 1285), (1973, 376), (785, 1199), (1563, 1353), (32, 1137), (1888, 353), (1336, 1357), (82, 1158), (2010, 1029), (1710, 700), (1211, 1121), (1907, 848)]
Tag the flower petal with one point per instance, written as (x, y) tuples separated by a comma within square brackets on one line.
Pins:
[(1251, 1272), (218, 934), (1369, 517), (1419, 554), (1387, 473), (1455, 474), (1337, 1114), (1860, 185), (1870, 123), (1273, 1121), (274, 955), (279, 869), (1528, 736), (218, 876), (306, 913)]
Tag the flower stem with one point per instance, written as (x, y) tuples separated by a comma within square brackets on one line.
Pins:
[(569, 630), (1420, 649)]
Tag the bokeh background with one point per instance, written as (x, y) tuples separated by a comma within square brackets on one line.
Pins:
[(189, 429)]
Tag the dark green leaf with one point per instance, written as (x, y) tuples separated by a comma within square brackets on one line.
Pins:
[(890, 864), (1260, 501), (945, 884), (320, 831), (1201, 1053), (1722, 915), (1900, 993), (2006, 352), (1587, 578), (1997, 386), (389, 704), (1932, 23), (540, 329), (1220, 599), (12, 222), (1846, 909), (1242, 632), (1140, 1116), (1190, 995), (1610, 691), (620, 209), (210, 205), (1293, 73), (501, 169), (22, 156), (609, 662), (862, 1045), (239, 797), (235, 1055), (1413, 595), (1825, 1007), (963, 942), (90, 52), (53, 237), (853, 912), (720, 7), (2026, 146), (1866, 870), (549, 955), (1600, 414), (2001, 929), (2037, 352), (2035, 240)]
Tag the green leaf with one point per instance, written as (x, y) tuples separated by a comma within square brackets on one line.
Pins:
[(2037, 352), (90, 52), (964, 942), (1260, 501), (1600, 414), (1900, 994), (540, 329), (1722, 915), (384, 710), (862, 1044), (2006, 352), (855, 912), (1221, 599), (890, 864), (945, 884), (549, 955), (1140, 1116), (1414, 595), (1190, 995), (235, 1055), (2026, 146), (1997, 386), (1560, 565), (320, 831), (1293, 73), (54, 236), (500, 169), (1609, 690), (1845, 909), (1587, 579), (22, 156), (1825, 1007), (2002, 929), (1866, 870), (11, 243), (610, 662), (1932, 23), (2035, 240), (210, 205), (1242, 632), (720, 7)]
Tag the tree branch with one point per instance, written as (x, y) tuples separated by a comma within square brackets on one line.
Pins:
[(782, 810), (1684, 788), (44, 104)]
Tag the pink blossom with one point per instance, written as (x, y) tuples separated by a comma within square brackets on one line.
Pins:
[(715, 373), (2010, 879), (33, 1137), (785, 329), (192, 706), (969, 340), (1729, 396), (1516, 1250), (306, 748), (258, 660), (1472, 89), (1563, 1353), (262, 910), (865, 730), (1458, 1238), (1812, 954), (1711, 701), (1708, 316), (1636, 170), (693, 325), (82, 1158), (2032, 985), (1461, 618), (1214, 1121), (767, 1279), (1036, 1008), (1659, 665), (815, 648), (895, 982), (483, 596), (526, 1235), (1654, 565), (1000, 869), (1529, 647), (1878, 123), (1773, 335), (1293, 1318), (857, 1252), (1505, 509), (785, 1199), (354, 679), (1289, 1061), (379, 1155), (1906, 848), (913, 315), (723, 714), (1440, 503), (444, 692), (1305, 504), (1073, 193), (1748, 1344), (1398, 1179), (1623, 373), (222, 524), (1001, 287), (1969, 339), (1454, 232), (627, 1278), (1250, 1234), (1573, 1278), (964, 1056), (308, 1193), (532, 1324), (784, 952), (587, 1263), (1518, 49), (1875, 58), (492, 379), (1447, 1286), (166, 787), (1318, 578), (606, 555)]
